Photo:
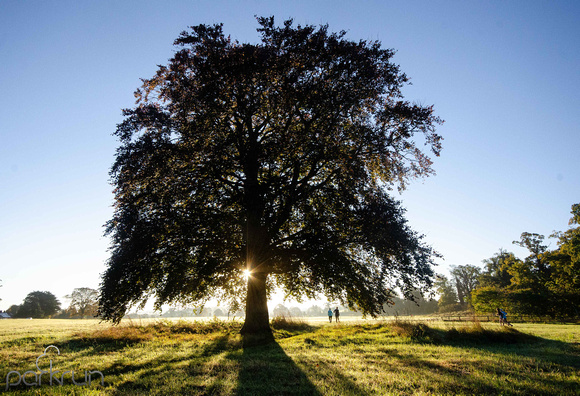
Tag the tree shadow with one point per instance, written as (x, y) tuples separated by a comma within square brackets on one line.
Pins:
[(347, 385), (265, 369), (92, 346), (222, 363), (544, 364), (444, 376), (259, 367), (525, 345)]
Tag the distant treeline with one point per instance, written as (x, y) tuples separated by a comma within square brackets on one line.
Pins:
[(545, 283), (399, 307)]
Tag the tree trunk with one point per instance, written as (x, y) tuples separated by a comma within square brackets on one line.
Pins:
[(257, 319), (257, 244)]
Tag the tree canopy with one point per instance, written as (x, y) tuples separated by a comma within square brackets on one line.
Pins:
[(37, 304), (84, 301), (274, 160), (447, 294), (466, 279)]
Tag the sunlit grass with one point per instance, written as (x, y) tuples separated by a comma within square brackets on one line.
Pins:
[(369, 357)]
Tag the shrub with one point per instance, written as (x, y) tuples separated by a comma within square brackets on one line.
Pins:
[(282, 322), (418, 332), (474, 333)]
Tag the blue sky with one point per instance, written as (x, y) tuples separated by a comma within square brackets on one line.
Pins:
[(504, 76)]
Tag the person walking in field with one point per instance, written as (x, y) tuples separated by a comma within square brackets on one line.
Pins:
[(500, 315), (329, 315), (336, 315), (504, 316)]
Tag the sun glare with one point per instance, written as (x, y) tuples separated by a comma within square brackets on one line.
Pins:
[(247, 273)]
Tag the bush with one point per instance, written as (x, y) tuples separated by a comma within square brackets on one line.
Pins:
[(288, 323), (471, 333), (417, 332), (476, 334)]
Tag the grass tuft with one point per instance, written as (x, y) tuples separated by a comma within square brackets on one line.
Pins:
[(187, 327), (471, 333), (476, 334), (417, 332), (289, 324), (133, 333)]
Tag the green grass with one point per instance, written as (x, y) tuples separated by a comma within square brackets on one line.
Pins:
[(365, 358)]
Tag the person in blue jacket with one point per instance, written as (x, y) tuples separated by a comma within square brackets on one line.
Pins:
[(504, 317)]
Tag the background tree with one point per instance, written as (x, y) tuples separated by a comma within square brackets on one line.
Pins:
[(296, 312), (534, 243), (447, 294), (528, 291), (496, 270), (203, 312), (420, 305), (465, 278), (281, 310), (495, 281), (486, 299), (273, 160), (39, 304), (13, 310), (544, 283), (536, 262), (85, 301), (315, 310)]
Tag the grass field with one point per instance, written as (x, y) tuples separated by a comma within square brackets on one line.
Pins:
[(350, 358)]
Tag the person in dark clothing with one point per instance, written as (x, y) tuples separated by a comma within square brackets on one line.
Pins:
[(336, 314)]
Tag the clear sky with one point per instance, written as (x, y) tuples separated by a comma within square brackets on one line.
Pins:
[(505, 77)]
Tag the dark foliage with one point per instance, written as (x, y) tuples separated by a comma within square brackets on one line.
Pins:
[(38, 304), (275, 158)]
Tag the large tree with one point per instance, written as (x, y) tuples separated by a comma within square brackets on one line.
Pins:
[(39, 304), (272, 160), (447, 294), (84, 301), (466, 279), (536, 261), (496, 271)]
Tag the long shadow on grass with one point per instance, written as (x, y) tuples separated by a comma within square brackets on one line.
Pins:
[(444, 378), (346, 385), (510, 341), (92, 346), (157, 375), (540, 358), (533, 378), (263, 369), (266, 370)]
